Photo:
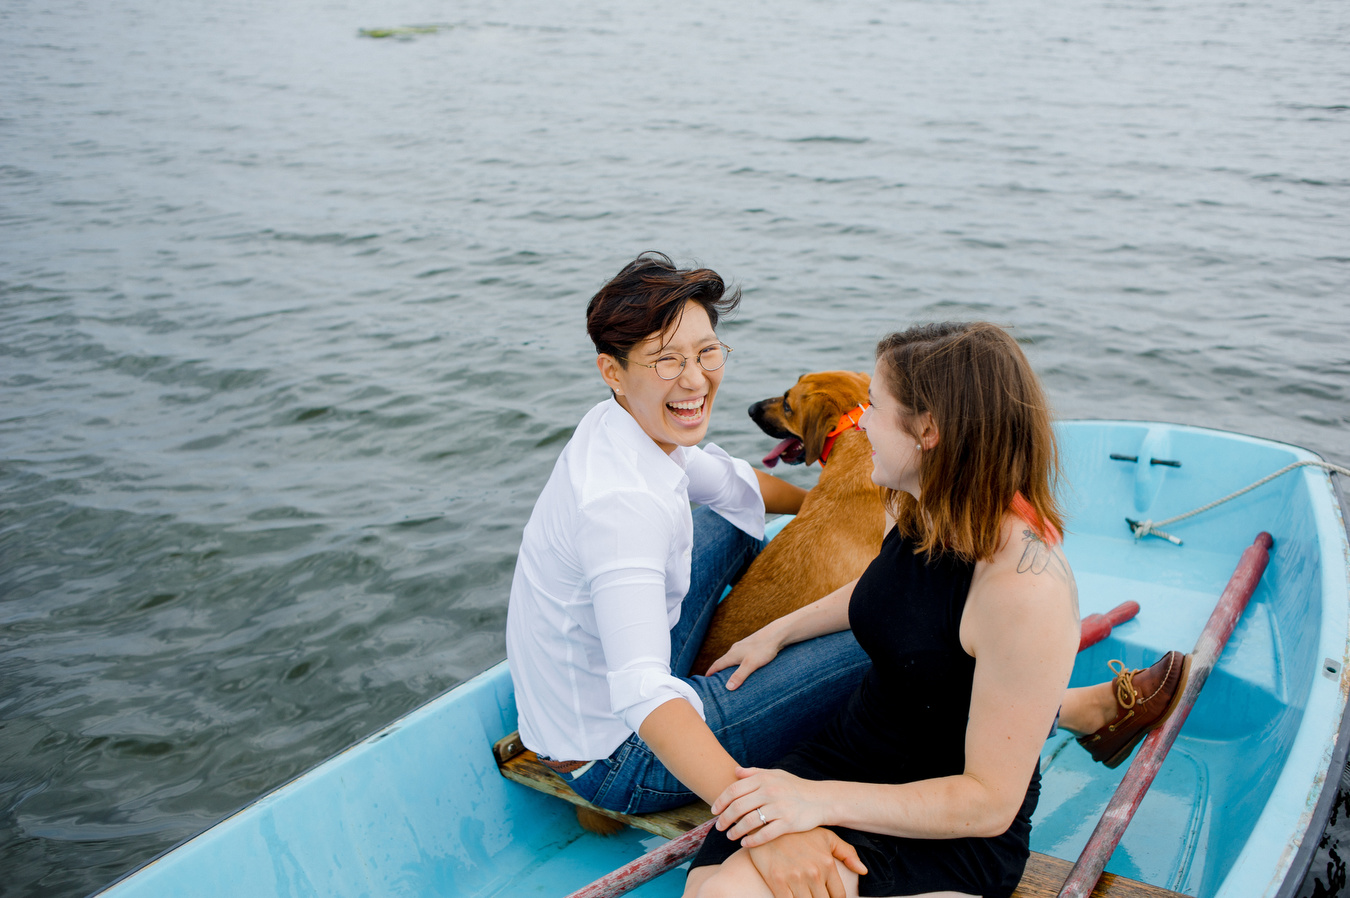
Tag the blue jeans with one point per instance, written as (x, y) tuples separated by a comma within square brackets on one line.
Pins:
[(778, 706)]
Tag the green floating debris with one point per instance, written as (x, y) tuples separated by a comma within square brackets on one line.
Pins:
[(405, 32)]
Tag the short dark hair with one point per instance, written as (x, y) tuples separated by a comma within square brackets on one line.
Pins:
[(647, 297)]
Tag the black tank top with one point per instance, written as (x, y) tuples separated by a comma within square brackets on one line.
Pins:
[(907, 720)]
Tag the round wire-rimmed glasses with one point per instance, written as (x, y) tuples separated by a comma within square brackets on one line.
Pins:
[(670, 366)]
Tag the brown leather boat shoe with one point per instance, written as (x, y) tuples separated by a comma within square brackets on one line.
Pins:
[(1144, 701)]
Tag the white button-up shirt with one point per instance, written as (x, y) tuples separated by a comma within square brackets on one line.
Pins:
[(603, 568)]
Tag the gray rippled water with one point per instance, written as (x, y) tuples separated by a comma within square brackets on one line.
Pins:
[(290, 318)]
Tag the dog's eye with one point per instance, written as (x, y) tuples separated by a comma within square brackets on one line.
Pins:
[(787, 406)]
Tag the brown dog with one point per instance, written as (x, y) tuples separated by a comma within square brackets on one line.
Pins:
[(839, 528)]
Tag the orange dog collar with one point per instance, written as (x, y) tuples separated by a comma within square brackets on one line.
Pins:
[(847, 421)]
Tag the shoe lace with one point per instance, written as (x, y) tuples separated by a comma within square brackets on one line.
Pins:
[(1126, 694)]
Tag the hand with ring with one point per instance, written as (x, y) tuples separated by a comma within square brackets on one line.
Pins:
[(764, 804)]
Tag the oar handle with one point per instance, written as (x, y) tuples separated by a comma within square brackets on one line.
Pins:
[(1120, 809), (649, 866), (1097, 627)]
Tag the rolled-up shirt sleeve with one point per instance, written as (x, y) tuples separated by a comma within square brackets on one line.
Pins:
[(628, 539), (728, 486), (630, 613)]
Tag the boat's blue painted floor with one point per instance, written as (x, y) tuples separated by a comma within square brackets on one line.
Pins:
[(1178, 805)]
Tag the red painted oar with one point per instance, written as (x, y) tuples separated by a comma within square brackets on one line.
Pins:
[(1097, 627), (1120, 810), (649, 866)]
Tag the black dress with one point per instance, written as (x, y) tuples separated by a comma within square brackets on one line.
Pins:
[(907, 722)]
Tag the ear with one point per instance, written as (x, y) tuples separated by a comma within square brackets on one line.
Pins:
[(928, 436), (825, 412), (609, 371)]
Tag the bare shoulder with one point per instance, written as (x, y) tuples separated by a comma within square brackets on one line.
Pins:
[(1028, 582), (1024, 554)]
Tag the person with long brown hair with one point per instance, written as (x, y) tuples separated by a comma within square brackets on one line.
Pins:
[(970, 616)]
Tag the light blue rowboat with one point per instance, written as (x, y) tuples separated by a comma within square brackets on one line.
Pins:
[(419, 808)]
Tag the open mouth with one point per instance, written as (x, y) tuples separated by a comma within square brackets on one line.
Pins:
[(689, 411), (790, 451)]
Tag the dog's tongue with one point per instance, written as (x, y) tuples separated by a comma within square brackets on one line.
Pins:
[(772, 458)]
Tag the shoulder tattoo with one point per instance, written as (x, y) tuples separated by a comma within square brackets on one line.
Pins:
[(1038, 557)]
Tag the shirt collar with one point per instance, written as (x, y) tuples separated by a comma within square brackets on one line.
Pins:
[(668, 468)]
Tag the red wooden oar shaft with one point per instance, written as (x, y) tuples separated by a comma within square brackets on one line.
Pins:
[(649, 866), (1097, 627), (1120, 810)]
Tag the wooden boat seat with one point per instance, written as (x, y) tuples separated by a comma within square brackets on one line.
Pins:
[(1043, 877)]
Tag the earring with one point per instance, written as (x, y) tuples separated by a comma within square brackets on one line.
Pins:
[(919, 446)]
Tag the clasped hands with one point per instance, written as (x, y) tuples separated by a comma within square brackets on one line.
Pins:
[(793, 854), (788, 804)]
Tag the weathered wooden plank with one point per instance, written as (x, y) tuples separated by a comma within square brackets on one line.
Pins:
[(1043, 877), (525, 768)]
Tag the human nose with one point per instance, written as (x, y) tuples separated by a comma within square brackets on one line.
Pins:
[(692, 374)]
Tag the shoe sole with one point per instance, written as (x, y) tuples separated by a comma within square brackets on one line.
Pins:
[(1115, 760)]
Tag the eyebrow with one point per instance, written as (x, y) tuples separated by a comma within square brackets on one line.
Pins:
[(702, 344)]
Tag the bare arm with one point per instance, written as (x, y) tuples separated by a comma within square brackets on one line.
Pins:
[(828, 614), (690, 751), (780, 497), (1024, 642)]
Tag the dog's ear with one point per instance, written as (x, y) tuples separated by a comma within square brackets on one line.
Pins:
[(825, 411), (832, 394)]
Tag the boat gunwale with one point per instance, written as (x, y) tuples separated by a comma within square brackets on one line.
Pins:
[(1301, 862)]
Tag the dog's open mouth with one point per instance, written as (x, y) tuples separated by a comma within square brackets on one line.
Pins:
[(790, 451)]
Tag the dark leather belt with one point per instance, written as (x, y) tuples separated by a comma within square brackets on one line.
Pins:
[(563, 766)]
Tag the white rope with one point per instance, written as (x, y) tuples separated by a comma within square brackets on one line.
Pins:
[(1142, 529)]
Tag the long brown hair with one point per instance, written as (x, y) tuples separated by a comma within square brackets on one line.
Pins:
[(994, 435)]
